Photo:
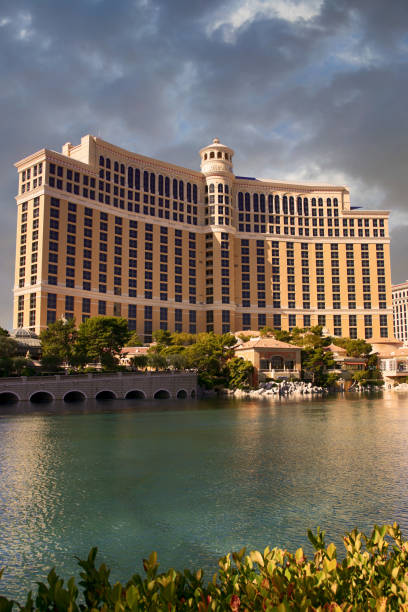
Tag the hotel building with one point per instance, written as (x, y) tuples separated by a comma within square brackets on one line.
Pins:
[(104, 231), (400, 309)]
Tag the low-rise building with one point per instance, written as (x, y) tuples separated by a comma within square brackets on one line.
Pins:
[(394, 365), (271, 358)]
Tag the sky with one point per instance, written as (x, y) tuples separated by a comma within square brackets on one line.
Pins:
[(301, 89)]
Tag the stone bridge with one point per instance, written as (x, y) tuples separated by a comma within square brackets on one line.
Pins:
[(119, 385)]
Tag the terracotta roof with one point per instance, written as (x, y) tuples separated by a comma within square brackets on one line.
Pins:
[(266, 343), (134, 350), (336, 349)]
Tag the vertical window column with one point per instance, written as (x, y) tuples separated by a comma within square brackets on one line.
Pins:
[(290, 263), (148, 281), (365, 265), (305, 276), (209, 269), (225, 275), (321, 304), (192, 268), (351, 280), (335, 270), (245, 274), (260, 273), (276, 302), (382, 296), (132, 258)]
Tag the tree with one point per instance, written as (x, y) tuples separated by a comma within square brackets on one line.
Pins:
[(156, 360), (317, 362), (240, 372), (139, 361), (3, 332), (58, 343), (177, 360), (163, 337), (8, 347), (134, 340), (282, 335), (357, 348), (209, 356), (101, 339)]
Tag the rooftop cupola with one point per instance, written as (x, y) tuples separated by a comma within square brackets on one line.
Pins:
[(216, 158)]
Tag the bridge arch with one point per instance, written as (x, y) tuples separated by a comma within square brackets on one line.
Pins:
[(41, 397), (74, 396), (8, 397), (162, 394), (106, 394), (181, 394), (135, 394)]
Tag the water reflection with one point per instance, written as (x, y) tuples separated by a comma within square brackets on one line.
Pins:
[(192, 480)]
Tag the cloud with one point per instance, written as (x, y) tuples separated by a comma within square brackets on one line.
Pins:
[(310, 89)]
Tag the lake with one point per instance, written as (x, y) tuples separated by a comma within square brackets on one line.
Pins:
[(192, 480)]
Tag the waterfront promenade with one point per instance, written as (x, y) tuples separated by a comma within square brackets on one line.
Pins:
[(118, 385)]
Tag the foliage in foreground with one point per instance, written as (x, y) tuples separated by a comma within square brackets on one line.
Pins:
[(372, 576)]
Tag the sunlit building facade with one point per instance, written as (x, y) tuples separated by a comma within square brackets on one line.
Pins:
[(104, 231), (400, 310)]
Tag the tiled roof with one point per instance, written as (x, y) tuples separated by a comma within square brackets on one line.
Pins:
[(266, 343)]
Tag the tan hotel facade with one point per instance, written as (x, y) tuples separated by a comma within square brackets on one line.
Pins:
[(104, 231)]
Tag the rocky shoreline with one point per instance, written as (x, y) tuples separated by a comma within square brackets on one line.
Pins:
[(281, 389)]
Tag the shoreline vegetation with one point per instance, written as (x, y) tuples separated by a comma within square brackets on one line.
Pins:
[(372, 575), (98, 344)]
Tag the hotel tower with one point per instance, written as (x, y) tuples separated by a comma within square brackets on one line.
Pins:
[(104, 231)]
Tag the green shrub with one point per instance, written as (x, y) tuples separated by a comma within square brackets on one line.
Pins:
[(372, 576)]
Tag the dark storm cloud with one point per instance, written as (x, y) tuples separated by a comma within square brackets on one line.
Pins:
[(321, 97)]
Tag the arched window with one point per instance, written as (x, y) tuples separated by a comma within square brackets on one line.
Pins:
[(212, 188), (277, 204), (175, 189), (247, 202), (270, 203), (306, 206), (226, 156), (285, 205), (313, 201), (328, 201), (188, 192), (181, 190), (255, 202), (211, 154), (116, 166), (205, 155), (145, 181), (167, 187), (101, 160), (219, 155), (240, 201), (335, 202), (130, 177), (220, 187), (108, 164), (226, 188), (292, 205), (320, 201), (122, 168), (137, 178), (299, 206), (160, 184), (195, 194), (262, 202), (152, 183)]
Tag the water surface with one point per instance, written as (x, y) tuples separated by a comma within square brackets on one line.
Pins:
[(192, 480)]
